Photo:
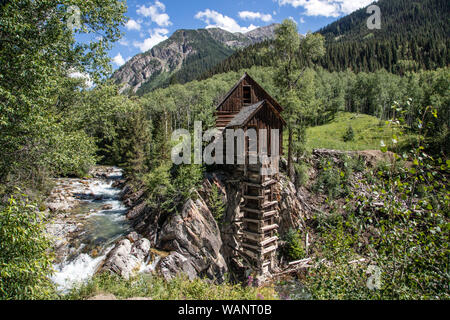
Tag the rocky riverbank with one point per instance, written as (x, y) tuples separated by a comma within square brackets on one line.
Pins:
[(102, 224)]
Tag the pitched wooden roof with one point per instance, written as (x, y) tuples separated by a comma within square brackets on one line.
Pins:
[(244, 114), (268, 96), (247, 113)]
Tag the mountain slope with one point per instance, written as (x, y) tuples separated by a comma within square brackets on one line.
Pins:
[(414, 35), (184, 56)]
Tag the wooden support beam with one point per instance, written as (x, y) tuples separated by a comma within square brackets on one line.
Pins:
[(269, 204), (268, 241), (270, 213), (270, 227), (259, 211), (253, 221), (258, 185), (270, 249), (253, 236), (253, 197)]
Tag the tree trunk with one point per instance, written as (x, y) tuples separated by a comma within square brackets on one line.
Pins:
[(290, 158)]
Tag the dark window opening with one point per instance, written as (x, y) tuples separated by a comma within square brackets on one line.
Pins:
[(247, 94)]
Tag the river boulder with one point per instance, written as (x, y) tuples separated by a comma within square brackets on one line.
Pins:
[(127, 258)]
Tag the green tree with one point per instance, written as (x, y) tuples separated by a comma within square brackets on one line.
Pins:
[(38, 56), (25, 261), (294, 55)]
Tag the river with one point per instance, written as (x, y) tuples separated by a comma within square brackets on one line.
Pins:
[(98, 221)]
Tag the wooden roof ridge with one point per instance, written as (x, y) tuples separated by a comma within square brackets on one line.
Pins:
[(246, 75), (248, 112), (270, 98)]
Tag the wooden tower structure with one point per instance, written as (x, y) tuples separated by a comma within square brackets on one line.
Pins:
[(248, 106)]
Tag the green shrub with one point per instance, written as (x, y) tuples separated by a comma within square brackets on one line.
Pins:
[(349, 135), (351, 164), (404, 237), (25, 261), (158, 182), (294, 246), (187, 179), (216, 203), (169, 187), (329, 180)]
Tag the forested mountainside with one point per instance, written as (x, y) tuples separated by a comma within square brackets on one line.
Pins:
[(184, 56), (414, 35)]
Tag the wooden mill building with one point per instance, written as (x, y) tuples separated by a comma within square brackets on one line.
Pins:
[(248, 106)]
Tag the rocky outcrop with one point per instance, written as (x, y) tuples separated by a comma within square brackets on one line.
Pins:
[(197, 246), (127, 257), (194, 234), (292, 212), (176, 264), (263, 33), (191, 237)]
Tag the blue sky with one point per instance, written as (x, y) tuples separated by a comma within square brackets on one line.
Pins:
[(153, 21)]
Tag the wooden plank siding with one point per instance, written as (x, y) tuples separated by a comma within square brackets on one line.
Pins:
[(259, 189)]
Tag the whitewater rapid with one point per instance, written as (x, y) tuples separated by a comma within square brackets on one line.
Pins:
[(103, 222)]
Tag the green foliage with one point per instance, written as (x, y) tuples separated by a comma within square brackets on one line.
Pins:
[(331, 180), (158, 288), (342, 280), (158, 183), (25, 262), (187, 179), (399, 225), (349, 135), (294, 80), (168, 187), (37, 58), (216, 203), (301, 173), (293, 248)]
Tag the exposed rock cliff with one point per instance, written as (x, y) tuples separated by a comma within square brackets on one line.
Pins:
[(193, 240)]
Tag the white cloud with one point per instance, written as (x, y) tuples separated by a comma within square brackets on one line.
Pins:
[(327, 8), (350, 6), (133, 25), (249, 15), (214, 19), (157, 35), (124, 42), (156, 13), (118, 60)]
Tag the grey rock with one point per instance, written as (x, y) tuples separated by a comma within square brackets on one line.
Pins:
[(176, 264), (195, 235), (133, 236), (126, 258)]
